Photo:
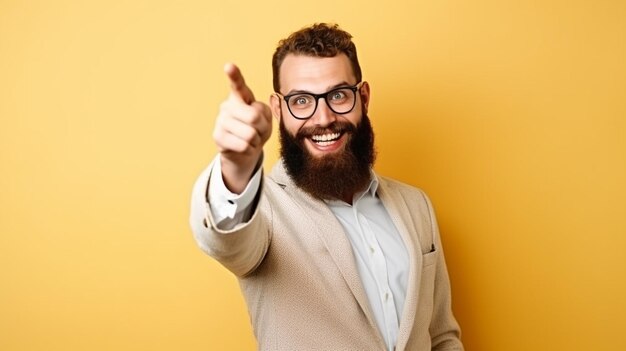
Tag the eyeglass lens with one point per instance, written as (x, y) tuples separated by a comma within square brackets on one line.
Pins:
[(339, 101)]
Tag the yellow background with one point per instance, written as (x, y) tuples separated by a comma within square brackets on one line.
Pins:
[(510, 114)]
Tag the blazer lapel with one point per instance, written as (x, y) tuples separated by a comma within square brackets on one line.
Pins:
[(327, 227), (399, 213)]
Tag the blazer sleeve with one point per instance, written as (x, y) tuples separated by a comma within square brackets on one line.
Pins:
[(444, 329), (241, 249)]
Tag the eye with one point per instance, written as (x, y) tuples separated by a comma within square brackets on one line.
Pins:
[(300, 100), (337, 95)]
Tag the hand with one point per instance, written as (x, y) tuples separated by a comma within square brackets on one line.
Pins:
[(242, 128)]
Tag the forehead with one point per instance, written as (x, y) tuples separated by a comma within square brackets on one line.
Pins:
[(314, 74)]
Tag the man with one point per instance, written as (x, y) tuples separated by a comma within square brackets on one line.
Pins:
[(329, 255)]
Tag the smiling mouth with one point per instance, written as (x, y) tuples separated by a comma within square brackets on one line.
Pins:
[(326, 139)]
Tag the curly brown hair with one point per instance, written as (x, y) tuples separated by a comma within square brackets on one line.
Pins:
[(318, 40)]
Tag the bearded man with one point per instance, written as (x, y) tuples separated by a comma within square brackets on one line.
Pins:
[(329, 254)]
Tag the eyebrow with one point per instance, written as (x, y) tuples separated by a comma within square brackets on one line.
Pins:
[(339, 85)]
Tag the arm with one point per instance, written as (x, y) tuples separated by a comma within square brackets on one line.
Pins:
[(444, 329), (240, 245), (228, 209), (225, 233)]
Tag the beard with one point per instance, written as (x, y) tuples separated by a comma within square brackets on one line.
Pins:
[(338, 175)]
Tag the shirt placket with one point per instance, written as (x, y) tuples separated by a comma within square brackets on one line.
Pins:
[(378, 266)]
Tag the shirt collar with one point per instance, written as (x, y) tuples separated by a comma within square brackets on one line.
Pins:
[(373, 187)]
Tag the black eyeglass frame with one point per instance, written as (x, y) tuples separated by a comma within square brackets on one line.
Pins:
[(325, 95)]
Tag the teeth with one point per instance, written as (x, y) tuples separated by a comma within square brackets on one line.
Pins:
[(325, 137)]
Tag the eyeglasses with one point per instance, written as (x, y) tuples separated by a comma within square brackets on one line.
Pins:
[(340, 100)]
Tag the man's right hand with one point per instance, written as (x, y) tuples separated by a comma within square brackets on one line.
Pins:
[(242, 128)]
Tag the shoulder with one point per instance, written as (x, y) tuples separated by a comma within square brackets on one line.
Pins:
[(402, 187), (412, 196)]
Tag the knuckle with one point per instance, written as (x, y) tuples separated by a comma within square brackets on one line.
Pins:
[(261, 108), (241, 147), (248, 135), (216, 134), (225, 105)]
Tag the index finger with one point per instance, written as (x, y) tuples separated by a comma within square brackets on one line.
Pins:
[(238, 84)]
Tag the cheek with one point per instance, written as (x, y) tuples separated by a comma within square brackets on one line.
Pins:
[(355, 116), (293, 125)]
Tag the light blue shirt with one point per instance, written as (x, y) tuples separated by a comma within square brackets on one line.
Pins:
[(381, 256)]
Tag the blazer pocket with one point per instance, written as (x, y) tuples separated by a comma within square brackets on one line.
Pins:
[(427, 287), (429, 258)]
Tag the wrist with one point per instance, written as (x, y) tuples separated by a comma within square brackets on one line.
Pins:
[(237, 173)]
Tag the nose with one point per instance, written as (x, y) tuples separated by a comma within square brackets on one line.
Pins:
[(323, 116)]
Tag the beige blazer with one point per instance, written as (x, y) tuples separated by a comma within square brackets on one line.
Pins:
[(298, 274)]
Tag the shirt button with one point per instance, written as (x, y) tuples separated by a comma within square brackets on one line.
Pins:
[(386, 296), (371, 249)]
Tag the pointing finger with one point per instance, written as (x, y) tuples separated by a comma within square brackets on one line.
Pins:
[(238, 84)]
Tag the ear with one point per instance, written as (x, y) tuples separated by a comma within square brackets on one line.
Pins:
[(275, 105), (365, 95)]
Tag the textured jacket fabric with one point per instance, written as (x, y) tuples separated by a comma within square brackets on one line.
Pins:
[(298, 274)]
